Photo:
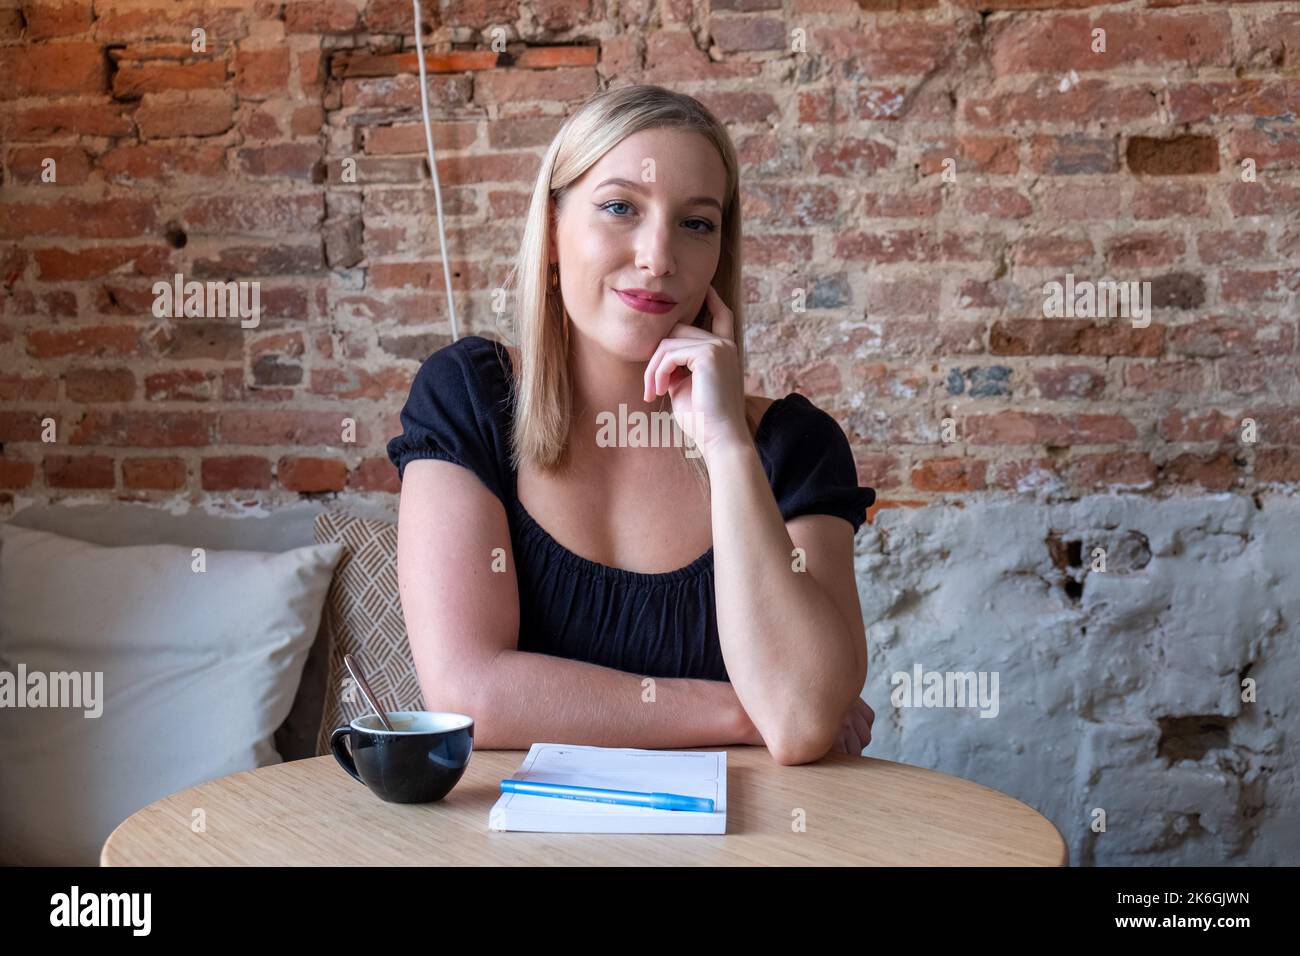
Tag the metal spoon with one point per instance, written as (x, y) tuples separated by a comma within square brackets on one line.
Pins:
[(355, 670)]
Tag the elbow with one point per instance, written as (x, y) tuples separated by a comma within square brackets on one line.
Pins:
[(789, 751)]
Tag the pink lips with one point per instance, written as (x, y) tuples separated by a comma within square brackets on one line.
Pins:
[(653, 306)]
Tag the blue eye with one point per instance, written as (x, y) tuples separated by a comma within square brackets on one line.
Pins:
[(708, 226)]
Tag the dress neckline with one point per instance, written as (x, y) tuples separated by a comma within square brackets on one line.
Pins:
[(570, 558)]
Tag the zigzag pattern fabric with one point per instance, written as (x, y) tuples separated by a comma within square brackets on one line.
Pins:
[(363, 615)]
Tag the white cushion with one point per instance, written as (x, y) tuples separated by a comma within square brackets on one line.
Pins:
[(199, 669)]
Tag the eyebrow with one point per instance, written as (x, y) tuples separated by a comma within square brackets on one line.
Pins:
[(693, 201)]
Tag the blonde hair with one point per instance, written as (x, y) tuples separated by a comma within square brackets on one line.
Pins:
[(542, 390)]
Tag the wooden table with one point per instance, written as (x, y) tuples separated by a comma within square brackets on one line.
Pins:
[(857, 811)]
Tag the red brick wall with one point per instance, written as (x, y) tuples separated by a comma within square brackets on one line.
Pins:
[(924, 292)]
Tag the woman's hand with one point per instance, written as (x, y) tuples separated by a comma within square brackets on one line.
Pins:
[(855, 730), (700, 371)]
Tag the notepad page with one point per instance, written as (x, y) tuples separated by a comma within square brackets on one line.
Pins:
[(692, 773)]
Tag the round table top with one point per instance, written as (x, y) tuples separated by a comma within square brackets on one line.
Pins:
[(840, 810)]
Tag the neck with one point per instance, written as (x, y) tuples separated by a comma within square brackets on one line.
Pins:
[(601, 382)]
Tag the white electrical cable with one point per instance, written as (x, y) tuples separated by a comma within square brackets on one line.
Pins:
[(433, 169)]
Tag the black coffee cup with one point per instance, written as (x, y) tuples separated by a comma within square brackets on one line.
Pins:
[(418, 761)]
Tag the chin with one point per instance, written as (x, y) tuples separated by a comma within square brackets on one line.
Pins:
[(634, 340)]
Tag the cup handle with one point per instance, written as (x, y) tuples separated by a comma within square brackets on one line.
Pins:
[(341, 752)]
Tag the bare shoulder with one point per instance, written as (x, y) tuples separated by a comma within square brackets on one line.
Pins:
[(758, 404)]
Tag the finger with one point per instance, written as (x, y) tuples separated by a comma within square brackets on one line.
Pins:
[(861, 727), (724, 322), (684, 356), (844, 742), (682, 330), (665, 344)]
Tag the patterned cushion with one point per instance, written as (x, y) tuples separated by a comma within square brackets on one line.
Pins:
[(363, 617)]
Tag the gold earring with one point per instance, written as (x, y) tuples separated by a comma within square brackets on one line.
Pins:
[(554, 278)]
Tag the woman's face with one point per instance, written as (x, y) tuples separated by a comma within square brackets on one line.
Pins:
[(659, 230)]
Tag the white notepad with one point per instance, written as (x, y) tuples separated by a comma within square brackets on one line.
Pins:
[(693, 773)]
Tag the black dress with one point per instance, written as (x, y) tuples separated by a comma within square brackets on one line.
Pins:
[(655, 625)]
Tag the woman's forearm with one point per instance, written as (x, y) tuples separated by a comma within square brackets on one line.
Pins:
[(786, 645), (520, 698)]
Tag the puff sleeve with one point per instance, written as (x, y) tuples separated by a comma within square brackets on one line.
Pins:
[(450, 414), (810, 465)]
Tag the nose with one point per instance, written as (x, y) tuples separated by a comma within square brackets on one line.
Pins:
[(654, 251)]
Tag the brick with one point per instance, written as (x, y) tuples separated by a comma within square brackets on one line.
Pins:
[(231, 472), (255, 214), (1195, 426), (297, 427), (52, 69), (1110, 470), (16, 474), (164, 164), (1271, 465), (1219, 246), (1053, 251), (999, 203), (71, 166), (1174, 156), (1165, 377), (1261, 198), (144, 429), (261, 73), (375, 474), (1072, 154), (57, 265), (335, 17), (312, 474), (153, 474), (521, 86), (1203, 102), (1169, 200), (23, 426), (1214, 472), (133, 79), (851, 156), (1216, 336), (34, 388), (261, 260), (904, 338), (193, 113), (1178, 290), (892, 49), (1030, 428), (1258, 285), (353, 383), (409, 137), (1044, 102), (182, 385), (739, 34), (1074, 337), (79, 471), (94, 385), (56, 18), (1057, 44), (285, 160), (949, 474), (1271, 145), (1082, 202), (122, 218), (221, 340), (97, 341), (1070, 382), (1142, 250), (47, 121)]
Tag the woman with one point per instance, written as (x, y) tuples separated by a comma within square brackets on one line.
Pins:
[(559, 587)]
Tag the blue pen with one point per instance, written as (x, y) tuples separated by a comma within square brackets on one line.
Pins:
[(636, 798)]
